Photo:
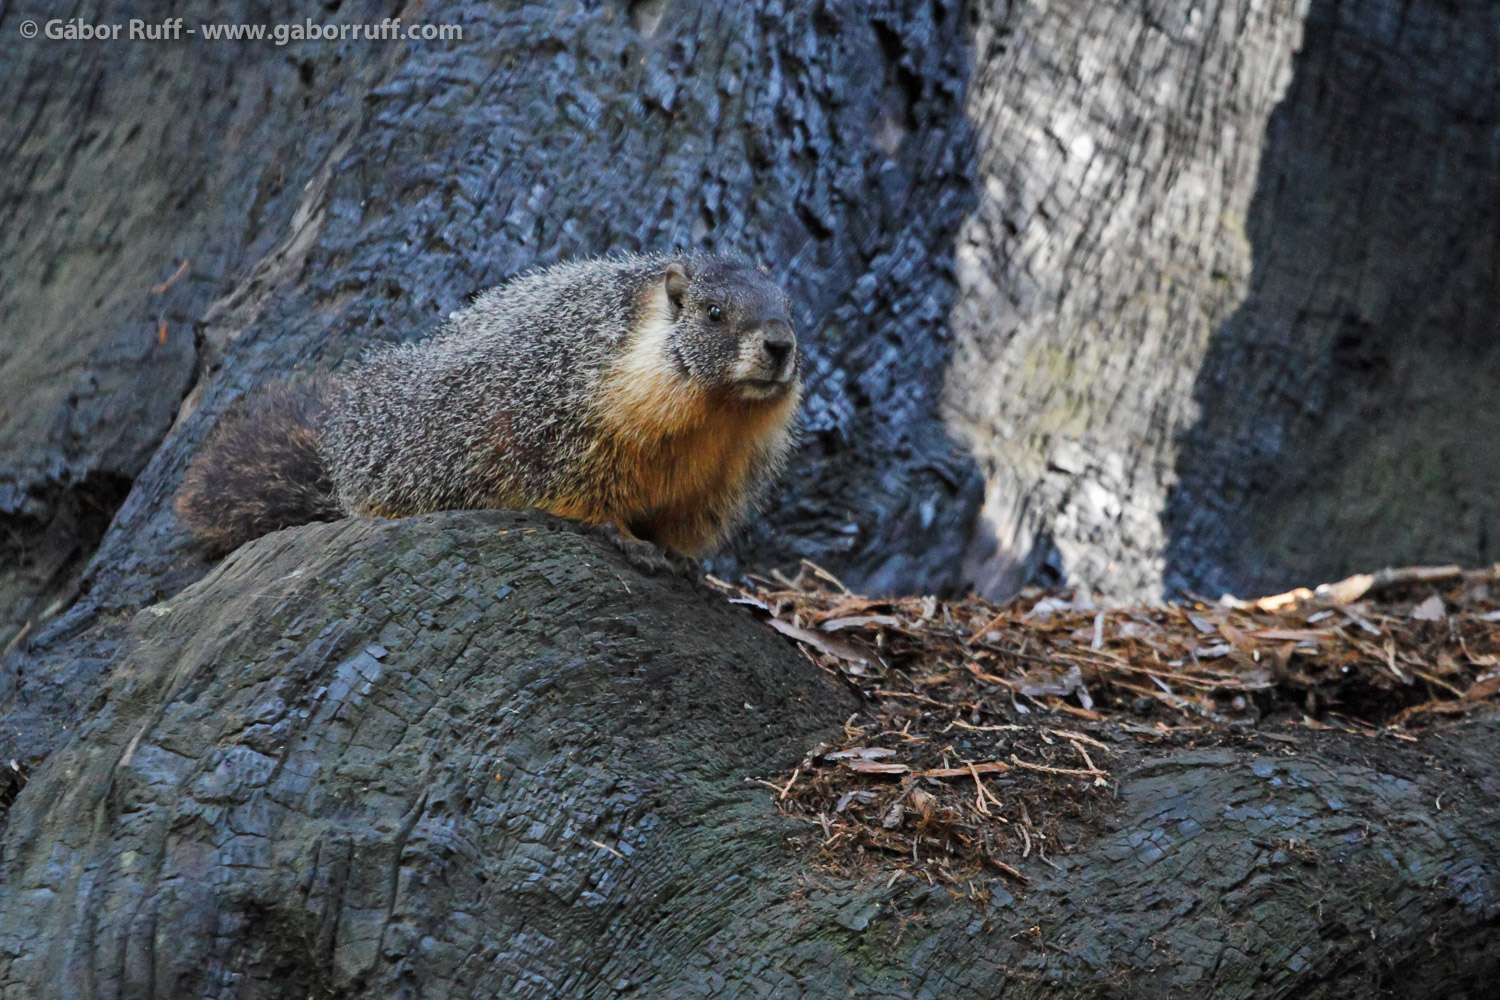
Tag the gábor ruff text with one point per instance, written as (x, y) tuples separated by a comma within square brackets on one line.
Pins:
[(389, 30)]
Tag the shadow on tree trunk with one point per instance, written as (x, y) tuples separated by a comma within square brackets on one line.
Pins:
[(1347, 416)]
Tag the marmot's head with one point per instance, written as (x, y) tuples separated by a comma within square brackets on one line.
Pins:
[(731, 328)]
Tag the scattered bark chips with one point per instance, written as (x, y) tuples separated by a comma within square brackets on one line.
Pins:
[(994, 732)]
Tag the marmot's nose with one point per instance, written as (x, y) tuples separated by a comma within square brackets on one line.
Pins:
[(778, 340)]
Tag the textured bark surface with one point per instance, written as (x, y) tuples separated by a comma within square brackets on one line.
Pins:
[(1115, 327), (123, 163), (477, 754), (1227, 317), (283, 780), (829, 142), (381, 185), (1103, 245), (1118, 146), (1349, 415)]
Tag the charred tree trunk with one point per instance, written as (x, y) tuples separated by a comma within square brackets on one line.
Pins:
[(477, 754), (828, 142), (1047, 261), (141, 182), (1092, 169)]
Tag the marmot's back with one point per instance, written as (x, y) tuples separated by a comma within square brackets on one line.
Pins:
[(653, 392)]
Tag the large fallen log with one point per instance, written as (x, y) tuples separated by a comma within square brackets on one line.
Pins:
[(480, 754)]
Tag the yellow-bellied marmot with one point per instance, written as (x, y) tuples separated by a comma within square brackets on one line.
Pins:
[(653, 392)]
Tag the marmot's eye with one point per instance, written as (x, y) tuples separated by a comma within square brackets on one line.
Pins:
[(715, 314)]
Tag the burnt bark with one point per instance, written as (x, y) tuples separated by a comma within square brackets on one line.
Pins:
[(142, 181), (1048, 262), (478, 754), (1093, 169), (398, 180), (375, 188)]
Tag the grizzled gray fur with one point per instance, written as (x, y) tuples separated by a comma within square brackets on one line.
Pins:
[(653, 392)]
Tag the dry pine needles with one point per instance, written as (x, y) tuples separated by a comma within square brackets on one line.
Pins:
[(989, 732)]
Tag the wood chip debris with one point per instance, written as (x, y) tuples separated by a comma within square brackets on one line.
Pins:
[(990, 731)]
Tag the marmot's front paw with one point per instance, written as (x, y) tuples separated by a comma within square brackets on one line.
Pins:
[(648, 557)]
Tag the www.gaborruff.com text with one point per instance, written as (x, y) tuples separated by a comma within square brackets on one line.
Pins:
[(389, 30)]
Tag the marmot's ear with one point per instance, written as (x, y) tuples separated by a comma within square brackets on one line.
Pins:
[(677, 286)]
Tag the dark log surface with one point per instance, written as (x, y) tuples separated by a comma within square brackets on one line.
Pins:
[(478, 754)]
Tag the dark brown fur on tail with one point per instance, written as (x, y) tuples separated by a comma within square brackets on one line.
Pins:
[(262, 470)]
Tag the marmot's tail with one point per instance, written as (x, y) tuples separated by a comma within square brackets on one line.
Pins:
[(262, 470)]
